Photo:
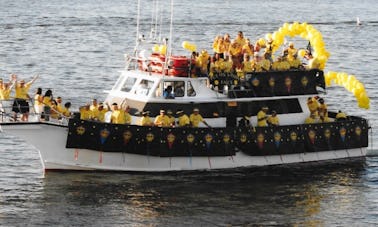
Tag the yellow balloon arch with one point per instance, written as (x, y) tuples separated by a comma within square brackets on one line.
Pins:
[(309, 33), (306, 31)]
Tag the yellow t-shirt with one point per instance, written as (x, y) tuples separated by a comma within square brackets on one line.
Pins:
[(22, 92), (5, 94), (261, 119), (85, 114), (273, 120), (127, 118), (118, 117), (161, 120), (101, 115), (183, 120), (195, 119), (145, 121), (47, 101), (66, 112)]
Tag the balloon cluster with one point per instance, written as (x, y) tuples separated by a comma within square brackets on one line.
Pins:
[(162, 49), (189, 46), (351, 84), (304, 30)]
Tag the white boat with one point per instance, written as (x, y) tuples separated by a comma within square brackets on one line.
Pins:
[(223, 101)]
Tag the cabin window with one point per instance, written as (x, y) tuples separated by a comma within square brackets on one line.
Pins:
[(173, 89), (144, 87), (191, 92), (129, 83)]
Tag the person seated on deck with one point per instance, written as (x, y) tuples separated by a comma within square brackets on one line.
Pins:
[(162, 120), (195, 118), (118, 115), (262, 117), (341, 116), (145, 120), (168, 93), (273, 119), (182, 119), (85, 112), (218, 64)]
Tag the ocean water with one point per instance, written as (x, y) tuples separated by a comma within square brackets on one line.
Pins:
[(77, 48)]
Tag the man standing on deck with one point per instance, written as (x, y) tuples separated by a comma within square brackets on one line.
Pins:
[(21, 103)]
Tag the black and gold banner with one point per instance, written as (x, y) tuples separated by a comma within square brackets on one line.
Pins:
[(169, 142)]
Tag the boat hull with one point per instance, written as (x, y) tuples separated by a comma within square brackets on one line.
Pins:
[(50, 140)]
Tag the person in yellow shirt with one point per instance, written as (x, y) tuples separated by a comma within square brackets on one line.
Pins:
[(227, 43), (59, 105), (265, 63), (312, 119), (66, 109), (291, 52), (94, 107), (101, 111), (5, 89), (54, 114), (47, 104), (195, 118), (341, 116), (145, 120), (255, 63), (240, 39), (172, 119), (118, 116), (183, 119), (262, 117), (21, 104), (248, 48), (162, 120), (313, 105), (273, 119), (127, 116), (228, 64), (85, 112)]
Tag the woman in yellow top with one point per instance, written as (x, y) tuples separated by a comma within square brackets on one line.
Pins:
[(66, 109), (248, 48), (5, 89), (54, 109), (47, 105), (85, 112), (21, 104)]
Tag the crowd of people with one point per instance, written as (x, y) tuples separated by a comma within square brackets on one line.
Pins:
[(44, 104), (241, 56)]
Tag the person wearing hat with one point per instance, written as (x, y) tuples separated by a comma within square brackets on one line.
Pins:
[(21, 104), (145, 120), (273, 119), (171, 118), (195, 118), (262, 117), (161, 120), (183, 119)]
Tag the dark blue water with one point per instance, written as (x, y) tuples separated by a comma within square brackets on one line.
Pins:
[(77, 47)]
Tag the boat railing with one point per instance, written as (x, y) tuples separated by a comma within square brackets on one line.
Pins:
[(7, 113)]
